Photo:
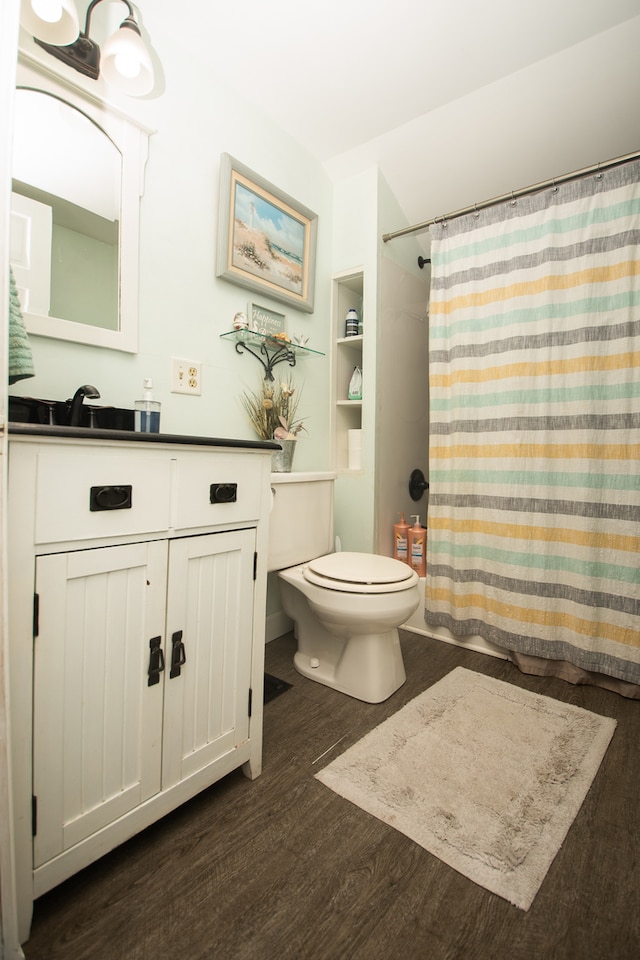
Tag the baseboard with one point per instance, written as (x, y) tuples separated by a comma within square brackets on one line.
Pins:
[(475, 643), (276, 625)]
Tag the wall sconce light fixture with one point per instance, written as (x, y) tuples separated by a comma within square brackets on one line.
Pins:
[(124, 60), (54, 20)]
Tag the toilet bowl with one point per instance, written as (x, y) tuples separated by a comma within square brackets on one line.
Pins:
[(345, 607), (346, 626)]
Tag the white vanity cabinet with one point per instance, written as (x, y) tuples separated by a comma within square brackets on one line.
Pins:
[(137, 596)]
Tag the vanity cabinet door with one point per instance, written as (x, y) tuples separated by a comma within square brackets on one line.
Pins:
[(142, 670), (209, 613), (97, 721)]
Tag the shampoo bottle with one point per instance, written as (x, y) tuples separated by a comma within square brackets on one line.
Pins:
[(147, 411), (418, 547), (351, 323), (400, 539)]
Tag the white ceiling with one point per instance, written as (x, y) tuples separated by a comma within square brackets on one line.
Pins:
[(337, 73), (363, 82)]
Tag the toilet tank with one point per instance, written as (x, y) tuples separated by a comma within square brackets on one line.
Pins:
[(301, 520)]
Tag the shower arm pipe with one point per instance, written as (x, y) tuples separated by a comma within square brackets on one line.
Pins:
[(513, 195)]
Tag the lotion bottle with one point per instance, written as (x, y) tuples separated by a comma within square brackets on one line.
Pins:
[(147, 411), (400, 539), (418, 547)]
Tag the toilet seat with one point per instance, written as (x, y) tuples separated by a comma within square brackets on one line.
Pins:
[(359, 573)]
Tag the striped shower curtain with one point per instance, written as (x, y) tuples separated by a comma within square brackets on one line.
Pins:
[(534, 454)]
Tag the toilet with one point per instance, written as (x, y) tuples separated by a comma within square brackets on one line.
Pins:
[(346, 607)]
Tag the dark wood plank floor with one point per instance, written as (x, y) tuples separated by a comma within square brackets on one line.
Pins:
[(282, 867)]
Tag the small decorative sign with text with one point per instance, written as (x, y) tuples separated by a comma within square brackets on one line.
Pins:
[(265, 321)]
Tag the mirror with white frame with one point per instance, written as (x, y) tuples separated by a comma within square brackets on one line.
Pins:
[(78, 174)]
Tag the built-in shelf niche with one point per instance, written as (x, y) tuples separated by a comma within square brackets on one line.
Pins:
[(348, 292)]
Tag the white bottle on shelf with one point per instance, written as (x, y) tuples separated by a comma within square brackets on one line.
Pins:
[(351, 323)]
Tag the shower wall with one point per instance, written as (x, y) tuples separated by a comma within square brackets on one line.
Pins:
[(394, 358), (402, 394)]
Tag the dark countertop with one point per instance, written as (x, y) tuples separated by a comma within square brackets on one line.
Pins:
[(130, 436)]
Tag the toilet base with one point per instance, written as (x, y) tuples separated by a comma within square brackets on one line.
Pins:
[(367, 667)]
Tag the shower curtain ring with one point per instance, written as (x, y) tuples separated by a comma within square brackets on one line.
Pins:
[(513, 199), (598, 175), (476, 212)]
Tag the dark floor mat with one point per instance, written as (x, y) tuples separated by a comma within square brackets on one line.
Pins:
[(273, 687)]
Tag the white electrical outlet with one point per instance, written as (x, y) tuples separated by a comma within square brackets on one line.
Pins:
[(186, 376)]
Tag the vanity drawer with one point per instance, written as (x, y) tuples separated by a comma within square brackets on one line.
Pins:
[(216, 489), (94, 494)]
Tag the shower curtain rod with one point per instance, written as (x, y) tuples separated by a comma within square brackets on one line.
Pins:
[(513, 195)]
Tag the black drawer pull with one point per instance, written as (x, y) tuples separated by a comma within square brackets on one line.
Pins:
[(223, 493), (110, 498), (178, 654), (156, 661)]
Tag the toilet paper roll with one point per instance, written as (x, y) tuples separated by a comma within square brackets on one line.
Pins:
[(354, 447)]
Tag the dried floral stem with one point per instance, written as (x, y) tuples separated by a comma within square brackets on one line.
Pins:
[(272, 410)]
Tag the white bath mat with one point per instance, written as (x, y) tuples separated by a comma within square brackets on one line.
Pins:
[(482, 774)]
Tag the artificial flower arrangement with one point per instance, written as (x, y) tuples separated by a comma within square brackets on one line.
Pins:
[(272, 410)]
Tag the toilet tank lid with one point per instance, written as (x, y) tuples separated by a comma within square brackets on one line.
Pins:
[(361, 568)]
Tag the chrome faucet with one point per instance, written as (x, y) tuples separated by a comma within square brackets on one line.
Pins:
[(75, 412)]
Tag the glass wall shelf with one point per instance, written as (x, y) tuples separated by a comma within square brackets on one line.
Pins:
[(269, 350)]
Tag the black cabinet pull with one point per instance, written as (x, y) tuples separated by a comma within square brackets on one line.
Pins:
[(223, 492), (111, 497), (156, 661), (178, 654)]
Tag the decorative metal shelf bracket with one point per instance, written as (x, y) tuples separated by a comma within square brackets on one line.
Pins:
[(268, 350), (280, 354)]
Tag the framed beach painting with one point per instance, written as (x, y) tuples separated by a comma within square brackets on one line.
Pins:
[(266, 240)]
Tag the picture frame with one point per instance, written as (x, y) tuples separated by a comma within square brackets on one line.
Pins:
[(265, 321), (266, 240)]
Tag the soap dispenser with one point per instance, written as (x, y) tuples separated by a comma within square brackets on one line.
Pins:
[(147, 411)]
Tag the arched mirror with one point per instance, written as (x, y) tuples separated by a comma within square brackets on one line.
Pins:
[(65, 224), (77, 180)]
